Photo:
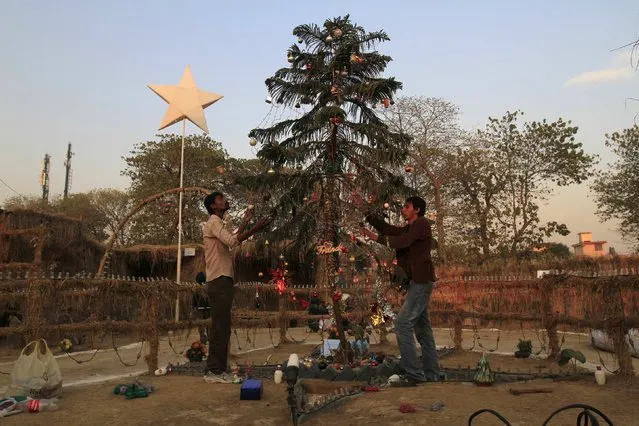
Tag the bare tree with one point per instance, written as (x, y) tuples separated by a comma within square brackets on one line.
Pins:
[(433, 125)]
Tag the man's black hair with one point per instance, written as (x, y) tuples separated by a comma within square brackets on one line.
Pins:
[(210, 199), (417, 203)]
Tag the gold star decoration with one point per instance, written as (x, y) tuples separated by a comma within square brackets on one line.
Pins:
[(185, 101)]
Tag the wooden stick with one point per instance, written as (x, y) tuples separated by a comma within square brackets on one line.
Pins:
[(518, 392)]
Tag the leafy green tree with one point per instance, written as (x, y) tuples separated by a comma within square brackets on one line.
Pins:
[(476, 186), (433, 124), (617, 188), (535, 158), (154, 167), (509, 170), (338, 144)]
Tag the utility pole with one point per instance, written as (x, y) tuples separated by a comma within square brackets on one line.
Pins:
[(44, 178), (68, 174)]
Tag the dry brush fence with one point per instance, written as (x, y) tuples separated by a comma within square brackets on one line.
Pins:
[(57, 306)]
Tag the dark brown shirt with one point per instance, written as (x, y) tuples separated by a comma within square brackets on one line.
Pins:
[(412, 244)]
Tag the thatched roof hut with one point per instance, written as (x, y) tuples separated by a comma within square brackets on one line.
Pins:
[(43, 242)]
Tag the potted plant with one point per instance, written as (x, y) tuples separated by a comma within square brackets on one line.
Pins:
[(524, 349), (196, 352), (568, 355)]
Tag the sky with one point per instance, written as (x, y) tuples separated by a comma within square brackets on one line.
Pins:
[(77, 71)]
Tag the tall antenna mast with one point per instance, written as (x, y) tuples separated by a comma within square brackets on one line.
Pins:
[(44, 178), (69, 172)]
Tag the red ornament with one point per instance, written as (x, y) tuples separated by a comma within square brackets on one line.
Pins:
[(337, 296), (309, 67), (279, 280), (337, 120), (407, 408), (386, 102)]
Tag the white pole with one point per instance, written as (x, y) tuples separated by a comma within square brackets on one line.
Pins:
[(179, 250)]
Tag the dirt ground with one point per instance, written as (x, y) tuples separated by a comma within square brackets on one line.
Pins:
[(184, 400)]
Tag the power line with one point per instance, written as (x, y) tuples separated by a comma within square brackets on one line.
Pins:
[(9, 186)]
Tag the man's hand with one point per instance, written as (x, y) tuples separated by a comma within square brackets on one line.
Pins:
[(246, 218), (368, 234), (263, 222), (248, 214)]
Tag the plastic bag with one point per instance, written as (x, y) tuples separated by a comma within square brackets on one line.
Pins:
[(36, 373)]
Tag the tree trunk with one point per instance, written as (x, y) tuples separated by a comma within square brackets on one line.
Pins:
[(330, 262), (439, 220), (483, 234)]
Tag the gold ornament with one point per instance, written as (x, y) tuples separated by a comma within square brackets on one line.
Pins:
[(270, 171), (386, 206), (252, 141), (327, 248), (337, 33), (356, 59), (377, 319)]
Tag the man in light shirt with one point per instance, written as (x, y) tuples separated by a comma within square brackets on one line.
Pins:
[(218, 245)]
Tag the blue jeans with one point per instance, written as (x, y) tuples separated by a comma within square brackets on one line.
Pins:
[(414, 320)]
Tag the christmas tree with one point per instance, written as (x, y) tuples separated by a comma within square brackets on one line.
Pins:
[(337, 147), (484, 376)]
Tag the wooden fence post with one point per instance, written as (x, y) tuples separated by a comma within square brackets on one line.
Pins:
[(458, 324), (152, 333), (616, 328), (34, 310), (548, 317), (283, 319)]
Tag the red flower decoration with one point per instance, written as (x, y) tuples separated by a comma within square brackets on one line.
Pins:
[(279, 280), (337, 296)]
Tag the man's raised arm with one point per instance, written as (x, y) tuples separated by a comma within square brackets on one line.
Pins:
[(384, 228)]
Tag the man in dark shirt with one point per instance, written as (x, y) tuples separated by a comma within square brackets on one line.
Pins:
[(412, 243)]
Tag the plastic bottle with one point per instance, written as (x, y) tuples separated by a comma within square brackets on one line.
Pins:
[(600, 376), (277, 377), (40, 405)]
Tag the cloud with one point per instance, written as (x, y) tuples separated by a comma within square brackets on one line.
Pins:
[(621, 70)]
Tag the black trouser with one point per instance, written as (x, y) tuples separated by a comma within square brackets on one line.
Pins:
[(221, 301)]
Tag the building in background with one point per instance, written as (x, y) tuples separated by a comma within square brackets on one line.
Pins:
[(588, 247)]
